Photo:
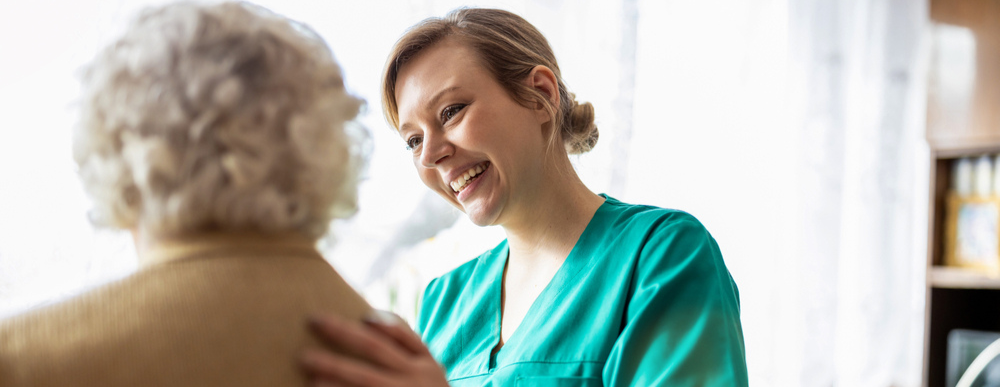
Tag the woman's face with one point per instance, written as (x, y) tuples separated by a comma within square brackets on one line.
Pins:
[(471, 142)]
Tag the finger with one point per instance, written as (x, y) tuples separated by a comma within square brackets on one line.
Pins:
[(316, 382), (399, 332), (383, 316), (337, 370), (361, 340), (403, 336)]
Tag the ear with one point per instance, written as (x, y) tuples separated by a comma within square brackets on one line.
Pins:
[(544, 81)]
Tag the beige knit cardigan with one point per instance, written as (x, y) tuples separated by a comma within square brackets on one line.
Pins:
[(216, 310)]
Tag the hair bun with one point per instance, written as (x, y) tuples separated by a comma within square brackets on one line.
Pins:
[(579, 128)]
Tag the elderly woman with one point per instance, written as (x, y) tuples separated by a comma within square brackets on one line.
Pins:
[(218, 136)]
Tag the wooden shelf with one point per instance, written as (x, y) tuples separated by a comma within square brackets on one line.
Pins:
[(965, 148), (958, 278)]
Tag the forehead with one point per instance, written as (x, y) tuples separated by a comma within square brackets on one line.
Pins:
[(448, 64)]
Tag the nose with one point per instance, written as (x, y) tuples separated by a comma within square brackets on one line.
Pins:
[(436, 148)]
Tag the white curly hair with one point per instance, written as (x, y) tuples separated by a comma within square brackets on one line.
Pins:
[(218, 117)]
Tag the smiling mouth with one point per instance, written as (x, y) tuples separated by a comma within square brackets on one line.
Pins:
[(459, 184)]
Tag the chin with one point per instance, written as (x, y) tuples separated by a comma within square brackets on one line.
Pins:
[(480, 222), (481, 218)]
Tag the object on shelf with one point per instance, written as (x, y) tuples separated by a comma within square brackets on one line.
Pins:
[(972, 233), (963, 347), (983, 181), (996, 175), (972, 215), (962, 177)]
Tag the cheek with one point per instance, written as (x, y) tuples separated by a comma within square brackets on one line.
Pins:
[(513, 137), (428, 176)]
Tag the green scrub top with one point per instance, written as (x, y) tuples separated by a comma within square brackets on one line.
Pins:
[(643, 299)]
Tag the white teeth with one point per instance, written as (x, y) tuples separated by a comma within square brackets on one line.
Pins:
[(463, 180)]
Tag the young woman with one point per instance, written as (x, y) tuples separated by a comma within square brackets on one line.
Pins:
[(585, 290)]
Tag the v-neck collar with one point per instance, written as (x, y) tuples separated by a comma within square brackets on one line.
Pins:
[(569, 269)]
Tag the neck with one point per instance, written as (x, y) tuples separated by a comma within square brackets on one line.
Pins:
[(152, 248), (551, 221)]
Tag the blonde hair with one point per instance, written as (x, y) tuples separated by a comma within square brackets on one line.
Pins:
[(218, 117), (509, 48)]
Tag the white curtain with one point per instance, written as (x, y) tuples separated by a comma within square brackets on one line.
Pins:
[(859, 244)]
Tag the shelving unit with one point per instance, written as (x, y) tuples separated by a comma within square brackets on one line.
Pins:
[(960, 298), (957, 298)]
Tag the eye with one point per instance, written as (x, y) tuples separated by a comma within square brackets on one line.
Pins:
[(450, 112), (413, 142)]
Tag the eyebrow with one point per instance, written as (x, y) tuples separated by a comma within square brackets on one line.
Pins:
[(433, 101)]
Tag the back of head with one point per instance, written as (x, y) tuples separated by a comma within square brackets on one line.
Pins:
[(222, 117), (509, 47)]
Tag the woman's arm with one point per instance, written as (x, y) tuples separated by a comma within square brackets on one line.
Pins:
[(391, 353)]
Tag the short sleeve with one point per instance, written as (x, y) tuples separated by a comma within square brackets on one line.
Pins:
[(682, 322)]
